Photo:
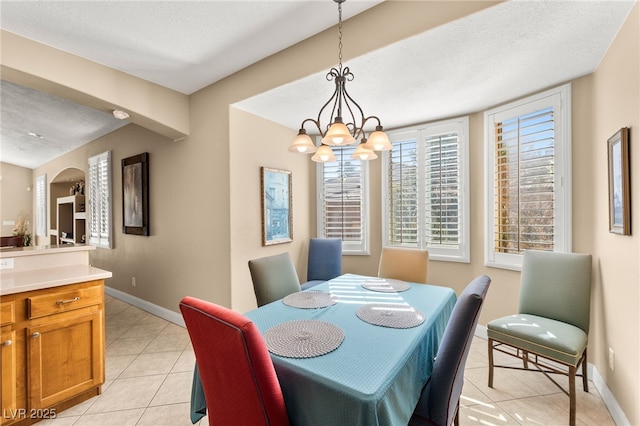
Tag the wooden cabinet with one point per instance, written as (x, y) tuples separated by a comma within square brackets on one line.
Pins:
[(8, 358), (56, 355), (71, 219)]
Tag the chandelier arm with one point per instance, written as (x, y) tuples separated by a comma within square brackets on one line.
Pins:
[(371, 117), (316, 122), (334, 98), (358, 130)]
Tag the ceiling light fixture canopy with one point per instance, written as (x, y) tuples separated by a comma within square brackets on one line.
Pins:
[(337, 132), (119, 114)]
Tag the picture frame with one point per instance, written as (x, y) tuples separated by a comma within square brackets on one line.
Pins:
[(619, 183), (277, 212), (135, 194)]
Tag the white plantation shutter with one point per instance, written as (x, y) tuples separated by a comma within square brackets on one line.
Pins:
[(442, 186), (528, 145), (41, 205), (524, 182), (100, 200), (342, 206), (403, 194), (425, 179)]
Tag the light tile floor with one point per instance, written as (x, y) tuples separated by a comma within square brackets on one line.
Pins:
[(149, 367)]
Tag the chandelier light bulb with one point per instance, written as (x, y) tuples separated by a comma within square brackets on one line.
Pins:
[(338, 134), (363, 153), (324, 155), (303, 143), (379, 141)]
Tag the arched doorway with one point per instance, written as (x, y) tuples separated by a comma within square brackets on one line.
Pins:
[(67, 206)]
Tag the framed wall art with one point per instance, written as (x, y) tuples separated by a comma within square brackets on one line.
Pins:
[(135, 194), (619, 183), (277, 215)]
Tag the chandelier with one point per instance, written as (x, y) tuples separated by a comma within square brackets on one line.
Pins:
[(337, 132)]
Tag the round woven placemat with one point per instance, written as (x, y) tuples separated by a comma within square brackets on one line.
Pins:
[(303, 338), (386, 285), (309, 299), (390, 315)]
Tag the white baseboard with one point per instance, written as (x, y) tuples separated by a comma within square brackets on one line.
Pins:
[(593, 374), (481, 332), (614, 408), (156, 310)]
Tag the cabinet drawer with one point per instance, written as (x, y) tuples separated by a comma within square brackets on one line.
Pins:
[(7, 313), (63, 301)]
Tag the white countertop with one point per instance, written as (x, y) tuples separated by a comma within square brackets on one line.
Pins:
[(17, 282), (40, 250)]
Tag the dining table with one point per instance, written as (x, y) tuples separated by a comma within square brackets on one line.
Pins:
[(354, 350)]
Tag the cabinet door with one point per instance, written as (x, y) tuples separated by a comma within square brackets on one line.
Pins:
[(66, 356), (8, 373)]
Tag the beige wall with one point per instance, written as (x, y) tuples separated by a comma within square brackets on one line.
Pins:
[(615, 100), (159, 261), (256, 142), (205, 202), (17, 195)]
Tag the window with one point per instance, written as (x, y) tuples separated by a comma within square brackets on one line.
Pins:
[(41, 206), (425, 195), (342, 201), (100, 200), (528, 154)]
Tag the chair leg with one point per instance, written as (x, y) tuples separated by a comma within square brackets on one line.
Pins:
[(456, 419), (585, 381), (525, 359), (490, 346), (572, 396)]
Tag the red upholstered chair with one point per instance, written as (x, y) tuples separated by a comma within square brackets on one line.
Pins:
[(239, 381)]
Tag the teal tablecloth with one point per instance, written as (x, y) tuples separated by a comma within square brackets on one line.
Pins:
[(375, 376)]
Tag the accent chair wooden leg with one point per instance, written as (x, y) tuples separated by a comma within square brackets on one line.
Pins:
[(572, 396), (490, 346), (525, 359), (585, 381)]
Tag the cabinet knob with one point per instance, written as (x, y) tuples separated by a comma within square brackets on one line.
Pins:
[(7, 343), (36, 334)]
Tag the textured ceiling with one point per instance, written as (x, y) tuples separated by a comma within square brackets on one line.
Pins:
[(465, 66), (462, 67), (182, 45)]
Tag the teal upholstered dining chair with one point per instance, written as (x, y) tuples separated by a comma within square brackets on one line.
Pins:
[(274, 277), (404, 264), (439, 401), (552, 323), (325, 261)]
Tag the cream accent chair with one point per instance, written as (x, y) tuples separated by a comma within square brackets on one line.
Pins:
[(404, 264)]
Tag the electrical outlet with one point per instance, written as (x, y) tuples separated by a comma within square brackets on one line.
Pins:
[(133, 281), (611, 359), (6, 263)]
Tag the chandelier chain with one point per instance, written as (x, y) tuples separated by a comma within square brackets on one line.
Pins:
[(340, 35)]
